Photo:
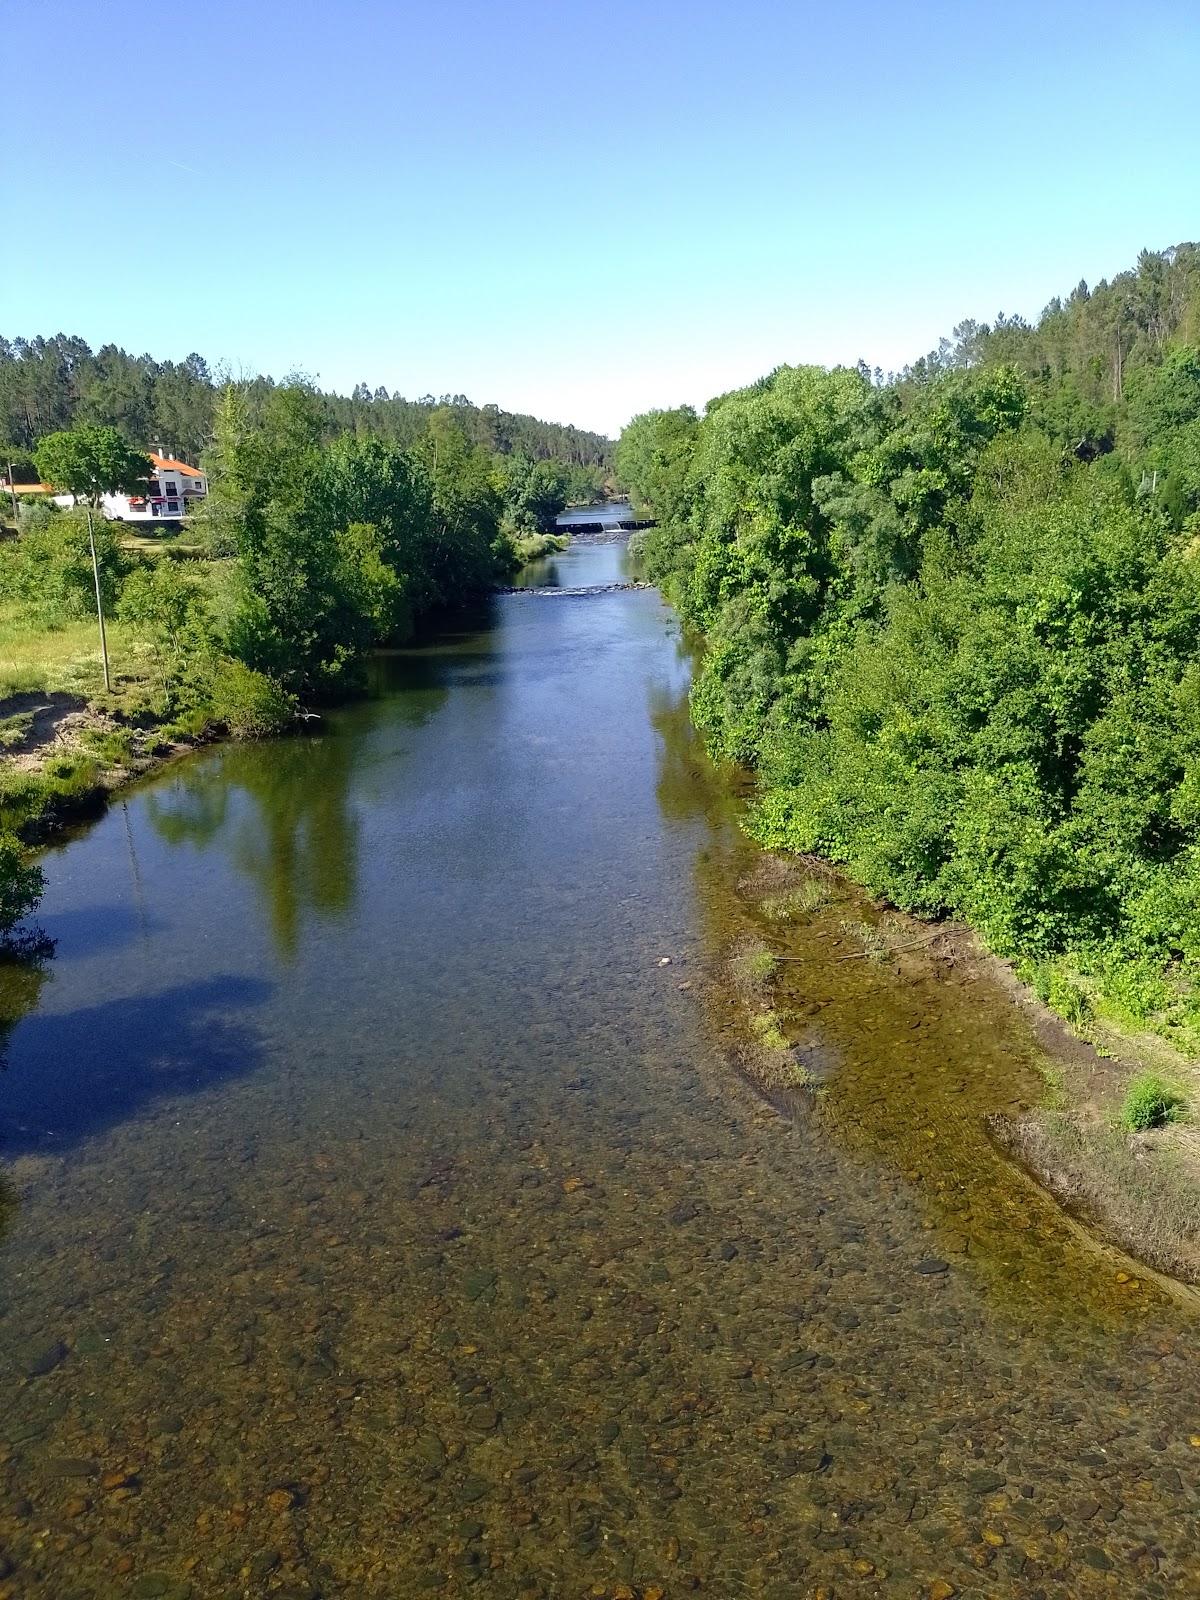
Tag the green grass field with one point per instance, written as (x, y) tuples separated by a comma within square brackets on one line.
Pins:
[(35, 658)]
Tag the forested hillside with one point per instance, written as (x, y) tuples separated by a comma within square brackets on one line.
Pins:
[(952, 619), (47, 384)]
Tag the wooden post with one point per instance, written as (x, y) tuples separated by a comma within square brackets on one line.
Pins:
[(99, 601), (12, 489)]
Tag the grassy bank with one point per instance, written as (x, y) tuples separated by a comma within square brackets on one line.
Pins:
[(1115, 1138), (66, 742), (533, 546)]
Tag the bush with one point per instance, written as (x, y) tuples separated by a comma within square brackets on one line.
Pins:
[(251, 705), (1150, 1103), (49, 568)]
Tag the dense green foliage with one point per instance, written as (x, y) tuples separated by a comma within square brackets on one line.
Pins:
[(952, 620), (322, 549), (89, 462), (48, 384), (49, 569)]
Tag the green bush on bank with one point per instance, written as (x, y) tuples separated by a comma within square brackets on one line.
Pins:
[(250, 704), (1150, 1103), (961, 659)]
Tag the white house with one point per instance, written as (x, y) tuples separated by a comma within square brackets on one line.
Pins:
[(172, 488)]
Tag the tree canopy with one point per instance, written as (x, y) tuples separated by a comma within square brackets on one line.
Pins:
[(56, 382), (951, 621), (90, 461)]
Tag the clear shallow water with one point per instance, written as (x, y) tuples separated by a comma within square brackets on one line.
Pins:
[(391, 1223)]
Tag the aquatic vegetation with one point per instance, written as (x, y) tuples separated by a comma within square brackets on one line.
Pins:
[(803, 900), (1150, 1102), (753, 967), (876, 945), (766, 1028)]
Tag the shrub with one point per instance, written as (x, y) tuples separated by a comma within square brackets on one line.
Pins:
[(1059, 990), (1150, 1103), (249, 703), (49, 568)]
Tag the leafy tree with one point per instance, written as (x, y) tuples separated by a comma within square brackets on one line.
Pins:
[(951, 621), (534, 492), (465, 542), (653, 459), (90, 461)]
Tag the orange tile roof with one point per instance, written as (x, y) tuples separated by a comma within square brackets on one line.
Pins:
[(169, 464), (28, 488)]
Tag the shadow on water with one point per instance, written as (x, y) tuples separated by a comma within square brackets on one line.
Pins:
[(86, 929), (75, 1074)]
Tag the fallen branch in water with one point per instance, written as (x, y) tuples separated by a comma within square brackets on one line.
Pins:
[(895, 950)]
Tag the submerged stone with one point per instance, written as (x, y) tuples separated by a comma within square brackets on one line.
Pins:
[(35, 1360)]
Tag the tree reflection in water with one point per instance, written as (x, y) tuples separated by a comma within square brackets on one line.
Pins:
[(297, 840)]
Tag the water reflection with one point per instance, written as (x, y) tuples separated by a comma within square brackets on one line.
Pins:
[(21, 982), (912, 1056), (287, 824)]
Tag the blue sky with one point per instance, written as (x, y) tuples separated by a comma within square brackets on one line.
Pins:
[(581, 210)]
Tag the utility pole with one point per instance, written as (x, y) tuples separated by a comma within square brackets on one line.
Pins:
[(99, 601), (12, 489)]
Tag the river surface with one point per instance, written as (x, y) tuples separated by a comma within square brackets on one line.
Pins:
[(389, 1220), (611, 514)]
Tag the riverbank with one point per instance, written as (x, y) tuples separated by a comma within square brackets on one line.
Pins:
[(1137, 1190), (64, 756)]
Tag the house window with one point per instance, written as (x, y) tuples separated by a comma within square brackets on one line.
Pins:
[(171, 488)]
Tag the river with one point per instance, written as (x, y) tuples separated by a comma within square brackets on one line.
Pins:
[(390, 1220)]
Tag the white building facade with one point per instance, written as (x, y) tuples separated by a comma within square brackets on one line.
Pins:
[(171, 489)]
